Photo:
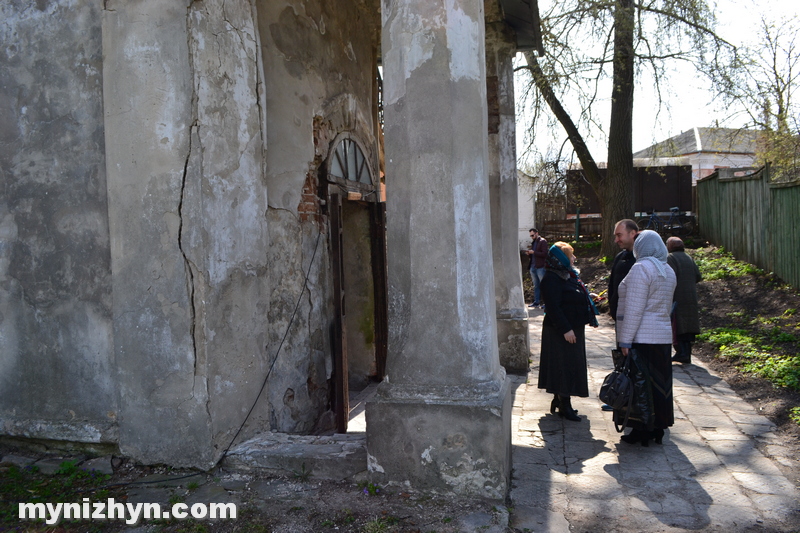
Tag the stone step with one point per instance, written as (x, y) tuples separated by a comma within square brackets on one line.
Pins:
[(335, 457)]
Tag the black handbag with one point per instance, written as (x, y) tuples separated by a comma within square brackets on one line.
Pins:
[(617, 387)]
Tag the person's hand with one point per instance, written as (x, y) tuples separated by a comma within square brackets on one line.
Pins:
[(624, 351), (570, 337)]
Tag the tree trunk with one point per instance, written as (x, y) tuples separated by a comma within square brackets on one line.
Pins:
[(617, 190)]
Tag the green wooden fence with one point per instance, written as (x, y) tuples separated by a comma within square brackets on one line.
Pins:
[(757, 221)]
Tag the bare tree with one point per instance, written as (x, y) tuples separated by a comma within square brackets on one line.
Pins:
[(764, 84), (600, 47)]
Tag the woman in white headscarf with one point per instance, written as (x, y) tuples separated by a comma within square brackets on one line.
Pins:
[(644, 331)]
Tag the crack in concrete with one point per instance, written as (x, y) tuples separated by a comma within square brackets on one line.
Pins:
[(189, 266), (187, 262), (260, 89)]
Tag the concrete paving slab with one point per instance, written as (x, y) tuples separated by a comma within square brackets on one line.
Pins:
[(98, 464), (545, 494), (765, 484), (709, 475), (582, 505), (526, 472), (592, 486), (19, 461), (775, 507), (751, 463), (662, 503), (756, 430), (538, 520), (733, 517), (702, 408)]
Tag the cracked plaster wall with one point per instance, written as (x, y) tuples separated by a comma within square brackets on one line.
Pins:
[(188, 206), (319, 63), (56, 356), (145, 281)]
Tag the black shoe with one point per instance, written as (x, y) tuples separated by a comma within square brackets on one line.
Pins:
[(565, 409), (681, 360), (554, 404), (606, 407), (658, 436), (569, 414), (635, 436)]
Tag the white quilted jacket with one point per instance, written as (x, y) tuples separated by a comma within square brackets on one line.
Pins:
[(645, 302)]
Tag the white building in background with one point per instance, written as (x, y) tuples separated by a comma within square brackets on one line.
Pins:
[(527, 208), (705, 149)]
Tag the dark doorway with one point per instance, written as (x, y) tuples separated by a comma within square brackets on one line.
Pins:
[(358, 257)]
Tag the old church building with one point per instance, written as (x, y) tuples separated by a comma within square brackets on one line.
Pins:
[(208, 203)]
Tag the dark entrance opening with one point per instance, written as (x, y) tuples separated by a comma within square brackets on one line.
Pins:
[(358, 257)]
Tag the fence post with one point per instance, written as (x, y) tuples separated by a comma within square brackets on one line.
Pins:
[(577, 224)]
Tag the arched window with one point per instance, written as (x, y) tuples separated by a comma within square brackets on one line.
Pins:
[(349, 167)]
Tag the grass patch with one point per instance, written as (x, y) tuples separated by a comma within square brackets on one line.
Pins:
[(719, 264), (766, 353), (69, 484)]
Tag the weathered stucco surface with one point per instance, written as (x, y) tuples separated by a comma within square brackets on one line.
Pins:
[(512, 314), (147, 276), (188, 222), (319, 62), (438, 212), (441, 418), (315, 53), (56, 359)]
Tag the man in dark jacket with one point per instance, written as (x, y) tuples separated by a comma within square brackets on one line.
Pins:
[(538, 255), (625, 232)]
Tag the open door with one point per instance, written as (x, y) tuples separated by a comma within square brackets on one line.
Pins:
[(358, 262)]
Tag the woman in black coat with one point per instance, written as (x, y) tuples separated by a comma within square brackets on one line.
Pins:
[(562, 365), (686, 315)]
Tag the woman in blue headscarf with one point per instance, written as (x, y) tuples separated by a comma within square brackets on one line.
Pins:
[(643, 325), (562, 365)]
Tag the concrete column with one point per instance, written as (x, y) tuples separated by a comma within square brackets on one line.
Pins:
[(441, 419), (512, 315)]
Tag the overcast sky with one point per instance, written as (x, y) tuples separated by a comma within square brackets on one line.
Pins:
[(689, 100)]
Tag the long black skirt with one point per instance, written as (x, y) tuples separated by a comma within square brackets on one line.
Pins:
[(562, 366), (653, 408)]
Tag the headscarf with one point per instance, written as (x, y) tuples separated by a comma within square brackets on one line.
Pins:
[(648, 246), (558, 262)]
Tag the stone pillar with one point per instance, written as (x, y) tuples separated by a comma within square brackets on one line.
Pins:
[(441, 419), (512, 315)]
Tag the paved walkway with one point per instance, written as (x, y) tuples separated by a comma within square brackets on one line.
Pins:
[(708, 475)]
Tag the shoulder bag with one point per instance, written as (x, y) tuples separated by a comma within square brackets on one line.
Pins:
[(617, 387)]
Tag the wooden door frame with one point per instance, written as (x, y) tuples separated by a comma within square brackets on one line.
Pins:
[(341, 392)]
